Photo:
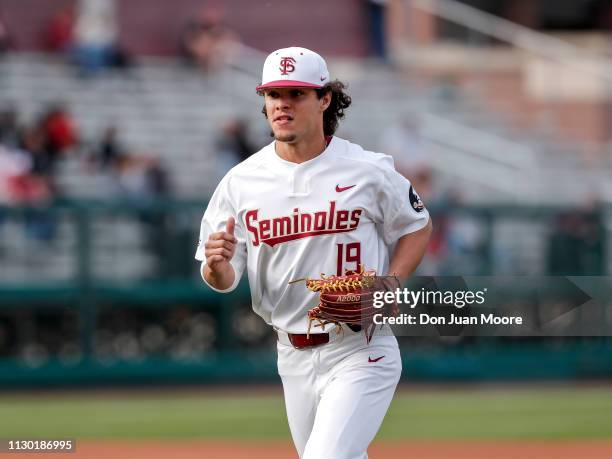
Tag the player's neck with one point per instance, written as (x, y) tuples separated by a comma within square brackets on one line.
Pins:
[(300, 152)]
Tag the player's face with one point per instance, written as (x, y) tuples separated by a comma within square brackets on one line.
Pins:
[(295, 114)]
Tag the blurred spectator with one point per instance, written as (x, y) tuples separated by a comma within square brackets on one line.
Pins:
[(377, 25), (207, 42), (5, 42), (9, 134), (144, 181), (25, 164), (60, 130), (33, 142), (157, 178), (30, 189), (141, 178), (14, 167), (405, 143), (576, 245), (467, 243), (20, 185), (31, 181), (59, 36), (233, 145), (96, 37), (43, 142), (110, 151), (131, 177)]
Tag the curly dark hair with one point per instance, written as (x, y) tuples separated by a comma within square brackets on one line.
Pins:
[(340, 101)]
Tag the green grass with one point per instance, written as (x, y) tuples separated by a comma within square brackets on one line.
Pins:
[(415, 414), (527, 414)]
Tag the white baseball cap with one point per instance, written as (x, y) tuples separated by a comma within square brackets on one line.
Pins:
[(294, 67)]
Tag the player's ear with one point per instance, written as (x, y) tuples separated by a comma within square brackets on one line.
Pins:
[(325, 100)]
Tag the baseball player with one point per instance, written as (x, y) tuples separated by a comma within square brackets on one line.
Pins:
[(306, 204)]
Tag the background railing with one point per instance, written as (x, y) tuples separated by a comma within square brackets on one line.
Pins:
[(84, 297)]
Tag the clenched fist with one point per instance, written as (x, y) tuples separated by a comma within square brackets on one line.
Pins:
[(219, 250)]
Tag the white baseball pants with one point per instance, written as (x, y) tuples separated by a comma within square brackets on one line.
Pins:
[(337, 394)]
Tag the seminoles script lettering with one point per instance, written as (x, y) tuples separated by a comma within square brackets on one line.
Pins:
[(300, 225)]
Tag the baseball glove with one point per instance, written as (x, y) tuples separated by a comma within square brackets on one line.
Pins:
[(349, 300)]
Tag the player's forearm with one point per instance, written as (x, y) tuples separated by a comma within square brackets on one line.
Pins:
[(221, 278), (409, 252)]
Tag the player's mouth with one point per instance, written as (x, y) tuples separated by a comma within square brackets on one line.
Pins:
[(282, 120)]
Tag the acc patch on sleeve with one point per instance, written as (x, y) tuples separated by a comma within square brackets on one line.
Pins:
[(415, 200)]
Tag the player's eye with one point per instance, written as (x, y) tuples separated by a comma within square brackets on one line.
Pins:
[(273, 94), (297, 93)]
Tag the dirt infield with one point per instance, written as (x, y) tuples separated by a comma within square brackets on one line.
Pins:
[(387, 450)]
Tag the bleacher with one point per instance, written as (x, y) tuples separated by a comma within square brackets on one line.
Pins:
[(165, 109), (160, 108)]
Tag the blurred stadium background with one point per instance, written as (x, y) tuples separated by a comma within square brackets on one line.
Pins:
[(118, 118)]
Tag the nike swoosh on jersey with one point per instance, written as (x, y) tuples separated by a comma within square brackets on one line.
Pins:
[(371, 360), (340, 189)]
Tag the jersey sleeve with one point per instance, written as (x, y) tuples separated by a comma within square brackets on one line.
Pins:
[(219, 209), (400, 209)]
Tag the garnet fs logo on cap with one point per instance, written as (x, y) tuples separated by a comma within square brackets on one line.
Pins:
[(286, 65), (294, 67)]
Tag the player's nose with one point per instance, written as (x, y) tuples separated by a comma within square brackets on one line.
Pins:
[(283, 101)]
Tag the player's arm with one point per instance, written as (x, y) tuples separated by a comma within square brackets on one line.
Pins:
[(405, 220), (219, 250), (409, 252)]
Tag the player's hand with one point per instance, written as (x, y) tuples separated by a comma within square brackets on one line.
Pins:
[(221, 247)]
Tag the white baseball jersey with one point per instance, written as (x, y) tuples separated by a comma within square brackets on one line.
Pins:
[(343, 210)]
